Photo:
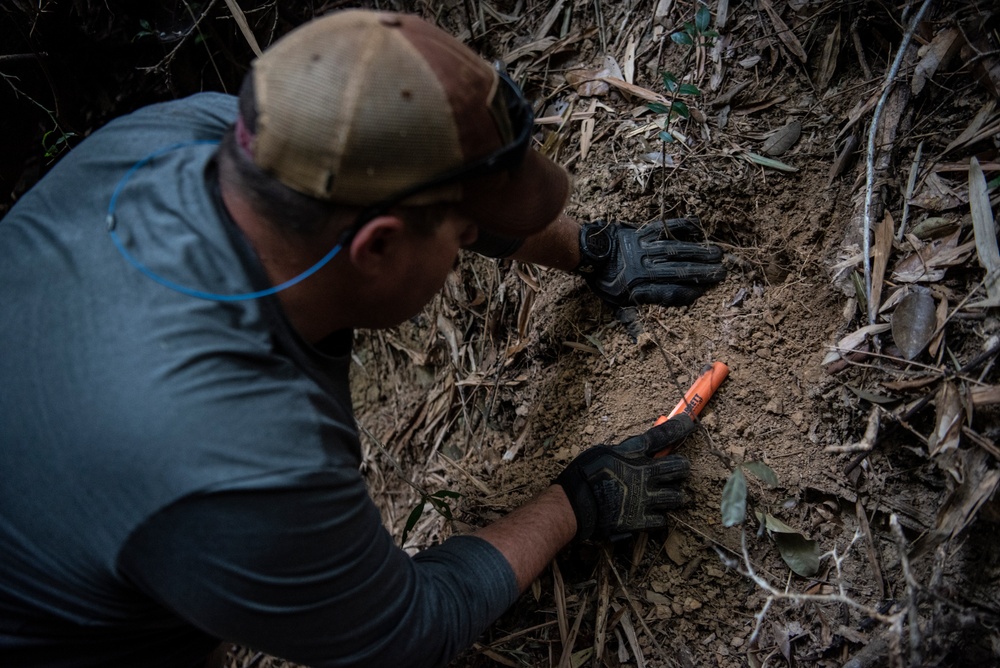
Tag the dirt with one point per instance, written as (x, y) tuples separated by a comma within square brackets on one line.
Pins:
[(514, 370)]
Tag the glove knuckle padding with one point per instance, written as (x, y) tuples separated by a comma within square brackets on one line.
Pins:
[(645, 267), (669, 433)]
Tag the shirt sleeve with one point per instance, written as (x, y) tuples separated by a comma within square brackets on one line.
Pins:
[(309, 574)]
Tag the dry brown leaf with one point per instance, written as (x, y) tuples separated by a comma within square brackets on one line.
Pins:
[(587, 83), (985, 232), (537, 46), (942, 319), (853, 341), (828, 62), (929, 263), (936, 194), (843, 159), (979, 482), (985, 396), (884, 234), (938, 53), (586, 136), (914, 322), (241, 22), (590, 82), (785, 33), (636, 91), (546, 25), (674, 546), (628, 69), (948, 420), (662, 10), (975, 127), (782, 139)]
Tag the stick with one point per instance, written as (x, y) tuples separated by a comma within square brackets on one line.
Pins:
[(870, 162)]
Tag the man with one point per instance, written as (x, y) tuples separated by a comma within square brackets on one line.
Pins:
[(178, 450)]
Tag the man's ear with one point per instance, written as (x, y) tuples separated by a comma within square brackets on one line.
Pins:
[(375, 246)]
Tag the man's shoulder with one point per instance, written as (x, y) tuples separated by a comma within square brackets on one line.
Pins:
[(202, 116)]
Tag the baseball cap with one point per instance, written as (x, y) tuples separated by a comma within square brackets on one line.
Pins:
[(375, 109)]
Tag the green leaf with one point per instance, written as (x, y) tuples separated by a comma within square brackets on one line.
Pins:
[(772, 523), (658, 107), (800, 553), (762, 471), (701, 19), (993, 184), (411, 521), (443, 509), (669, 81), (734, 499), (710, 33), (688, 89), (581, 657), (681, 109), (769, 162), (446, 494), (682, 38), (667, 137)]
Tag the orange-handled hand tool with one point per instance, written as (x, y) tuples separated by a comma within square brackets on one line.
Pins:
[(696, 397)]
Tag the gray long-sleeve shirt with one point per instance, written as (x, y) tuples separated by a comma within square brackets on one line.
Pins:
[(175, 471)]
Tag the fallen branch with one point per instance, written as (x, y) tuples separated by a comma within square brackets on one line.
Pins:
[(870, 162)]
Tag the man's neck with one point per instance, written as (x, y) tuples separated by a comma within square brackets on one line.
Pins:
[(312, 306)]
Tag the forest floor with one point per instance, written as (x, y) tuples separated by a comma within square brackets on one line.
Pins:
[(860, 407)]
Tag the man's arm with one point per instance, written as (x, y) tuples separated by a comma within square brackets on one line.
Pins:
[(557, 246), (530, 536)]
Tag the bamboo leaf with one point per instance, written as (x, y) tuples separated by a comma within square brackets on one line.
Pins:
[(734, 499), (411, 521), (985, 229), (769, 162)]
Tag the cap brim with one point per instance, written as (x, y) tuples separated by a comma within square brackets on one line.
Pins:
[(520, 203)]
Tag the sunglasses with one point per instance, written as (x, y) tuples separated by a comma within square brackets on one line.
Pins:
[(514, 116)]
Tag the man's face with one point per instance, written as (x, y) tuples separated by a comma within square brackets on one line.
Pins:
[(424, 268)]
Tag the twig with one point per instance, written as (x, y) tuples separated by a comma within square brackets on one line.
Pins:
[(870, 162), (746, 569), (910, 185), (173, 52), (21, 56), (911, 591), (924, 400)]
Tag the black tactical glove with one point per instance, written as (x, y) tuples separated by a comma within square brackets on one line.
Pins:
[(651, 265), (621, 489)]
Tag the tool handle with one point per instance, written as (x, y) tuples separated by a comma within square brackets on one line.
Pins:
[(696, 397)]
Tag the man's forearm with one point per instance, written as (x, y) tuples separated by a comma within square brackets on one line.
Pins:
[(533, 534), (557, 246)]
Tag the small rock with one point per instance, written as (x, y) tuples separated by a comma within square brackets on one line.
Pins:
[(737, 642), (691, 604), (589, 430), (764, 353)]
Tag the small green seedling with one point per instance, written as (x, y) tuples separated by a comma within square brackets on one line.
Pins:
[(697, 33), (798, 552), (438, 501), (693, 34)]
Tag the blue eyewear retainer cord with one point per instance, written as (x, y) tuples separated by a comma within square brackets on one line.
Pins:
[(184, 290)]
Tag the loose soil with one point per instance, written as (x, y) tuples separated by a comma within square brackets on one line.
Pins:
[(514, 370)]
